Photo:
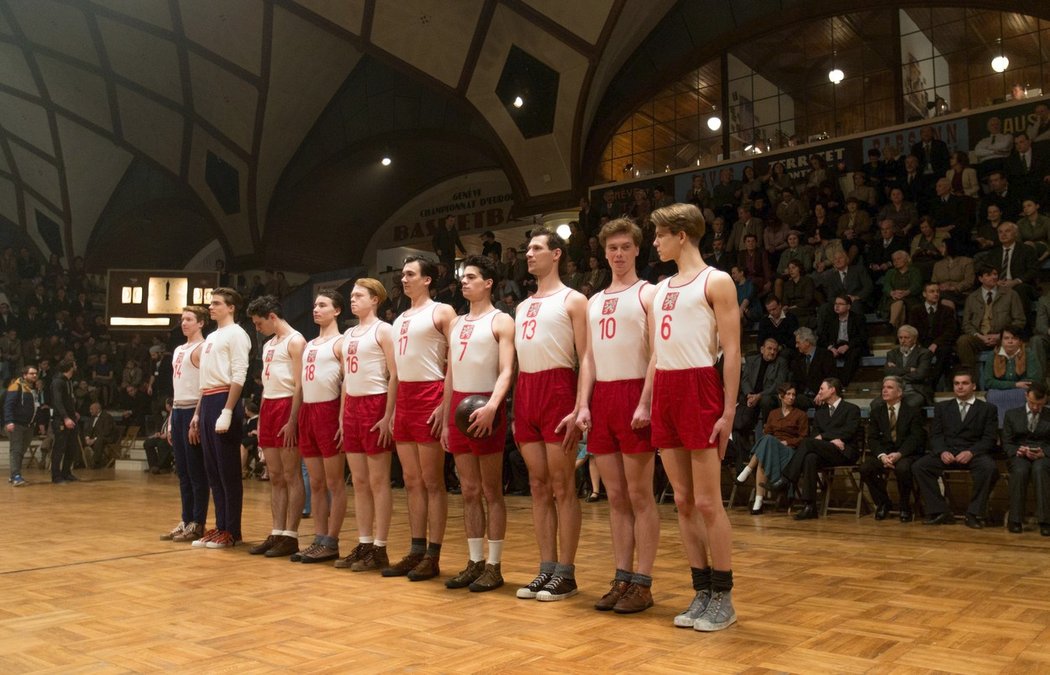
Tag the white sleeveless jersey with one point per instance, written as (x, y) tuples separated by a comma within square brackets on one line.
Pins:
[(420, 349), (322, 373), (543, 334), (619, 334), (278, 380), (475, 354), (686, 333), (185, 377), (364, 363)]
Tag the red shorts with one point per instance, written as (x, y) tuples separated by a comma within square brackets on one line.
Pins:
[(459, 443), (612, 407), (686, 405), (359, 416), (416, 402), (274, 413), (541, 401), (318, 425)]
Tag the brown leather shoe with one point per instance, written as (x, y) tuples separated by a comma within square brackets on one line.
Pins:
[(469, 574), (609, 600), (490, 579), (426, 569), (403, 566), (265, 545), (360, 552), (286, 546), (375, 559), (636, 599)]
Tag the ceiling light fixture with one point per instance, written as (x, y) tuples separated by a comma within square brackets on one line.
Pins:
[(386, 161), (518, 101), (1000, 63), (564, 231)]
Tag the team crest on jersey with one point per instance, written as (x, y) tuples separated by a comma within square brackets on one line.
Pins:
[(669, 301), (352, 348), (466, 331), (269, 355), (404, 327), (534, 310), (311, 356), (178, 361), (609, 306)]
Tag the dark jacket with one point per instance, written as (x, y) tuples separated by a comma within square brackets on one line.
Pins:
[(1016, 433), (808, 379), (19, 407), (942, 328), (843, 425), (62, 400), (976, 433), (911, 434)]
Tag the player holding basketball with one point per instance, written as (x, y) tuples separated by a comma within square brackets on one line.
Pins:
[(695, 313), (418, 377), (368, 358), (481, 361), (282, 395), (618, 417), (319, 433), (550, 333)]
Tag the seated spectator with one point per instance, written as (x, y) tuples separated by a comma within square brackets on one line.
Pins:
[(992, 150), (508, 287), (1002, 195), (508, 303), (903, 215), (1026, 441), (1027, 168), (795, 251), (824, 251), (758, 383), (896, 437), (844, 333), (819, 225), (132, 375), (953, 274), (962, 178), (100, 434), (962, 438), (926, 248), (745, 224), (833, 442), (250, 452), (1011, 371), (880, 253), (912, 364), (775, 241), (777, 324), (1016, 263), (791, 210), (159, 455), (754, 262), (746, 294), (846, 279), (798, 293), (596, 276), (1034, 229), (572, 277), (809, 367), (135, 405), (901, 289), (862, 194), (716, 232), (988, 310), (785, 428)]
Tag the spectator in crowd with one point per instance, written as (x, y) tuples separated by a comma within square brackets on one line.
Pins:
[(896, 437), (879, 256), (961, 438), (913, 184), (775, 240), (790, 209), (596, 276), (726, 195), (932, 153), (855, 222), (1027, 168), (777, 181), (844, 334), (446, 241), (754, 262), (927, 247), (489, 245), (1026, 441), (784, 430), (1034, 229), (988, 310), (160, 457), (912, 364), (1016, 263), (1011, 371), (798, 293), (1001, 194), (902, 214), (134, 404), (100, 434), (809, 367), (572, 276), (132, 375), (795, 250), (778, 325), (746, 224), (746, 293), (953, 274), (718, 258), (758, 382), (992, 150), (845, 279), (901, 289)]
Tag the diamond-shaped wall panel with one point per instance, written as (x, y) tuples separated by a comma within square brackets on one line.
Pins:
[(77, 90), (347, 14), (432, 35), (26, 120), (156, 12), (224, 99), (8, 200), (585, 19), (57, 26), (14, 71), (38, 173), (231, 28), (153, 129), (142, 58)]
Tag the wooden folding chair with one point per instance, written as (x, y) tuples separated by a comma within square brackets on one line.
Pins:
[(124, 446)]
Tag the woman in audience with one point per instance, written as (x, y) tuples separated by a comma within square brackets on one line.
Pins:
[(862, 192), (987, 233), (926, 247), (855, 218), (795, 250), (953, 274), (798, 293), (819, 225), (775, 240), (818, 172), (777, 181), (901, 289), (903, 214), (752, 183), (963, 178), (1034, 228), (1012, 368), (784, 430)]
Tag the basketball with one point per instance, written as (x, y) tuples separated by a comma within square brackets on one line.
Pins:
[(465, 409)]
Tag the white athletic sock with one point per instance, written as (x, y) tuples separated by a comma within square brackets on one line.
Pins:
[(291, 533), (758, 503), (276, 533), (365, 539), (744, 474), (495, 551), (379, 543), (476, 547)]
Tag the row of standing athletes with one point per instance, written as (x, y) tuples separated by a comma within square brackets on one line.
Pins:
[(633, 368)]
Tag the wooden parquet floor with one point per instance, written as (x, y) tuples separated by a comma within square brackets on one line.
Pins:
[(86, 586)]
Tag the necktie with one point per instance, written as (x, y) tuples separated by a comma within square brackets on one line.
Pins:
[(929, 309), (1024, 158), (1006, 263), (893, 424), (989, 299), (964, 408), (1033, 419)]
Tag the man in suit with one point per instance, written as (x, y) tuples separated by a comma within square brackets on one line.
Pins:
[(912, 364), (895, 438), (64, 424), (845, 335), (1002, 195), (938, 328), (809, 367), (962, 438), (832, 443), (932, 153), (758, 386), (879, 254), (778, 324), (1041, 335), (988, 310), (1027, 169), (791, 210), (948, 213), (1026, 441), (912, 182), (1018, 264), (99, 433), (844, 278)]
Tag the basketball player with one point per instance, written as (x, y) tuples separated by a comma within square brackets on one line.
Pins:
[(695, 313), (219, 416), (282, 357), (189, 458), (421, 349), (319, 433), (481, 361), (618, 416), (550, 332), (368, 355)]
